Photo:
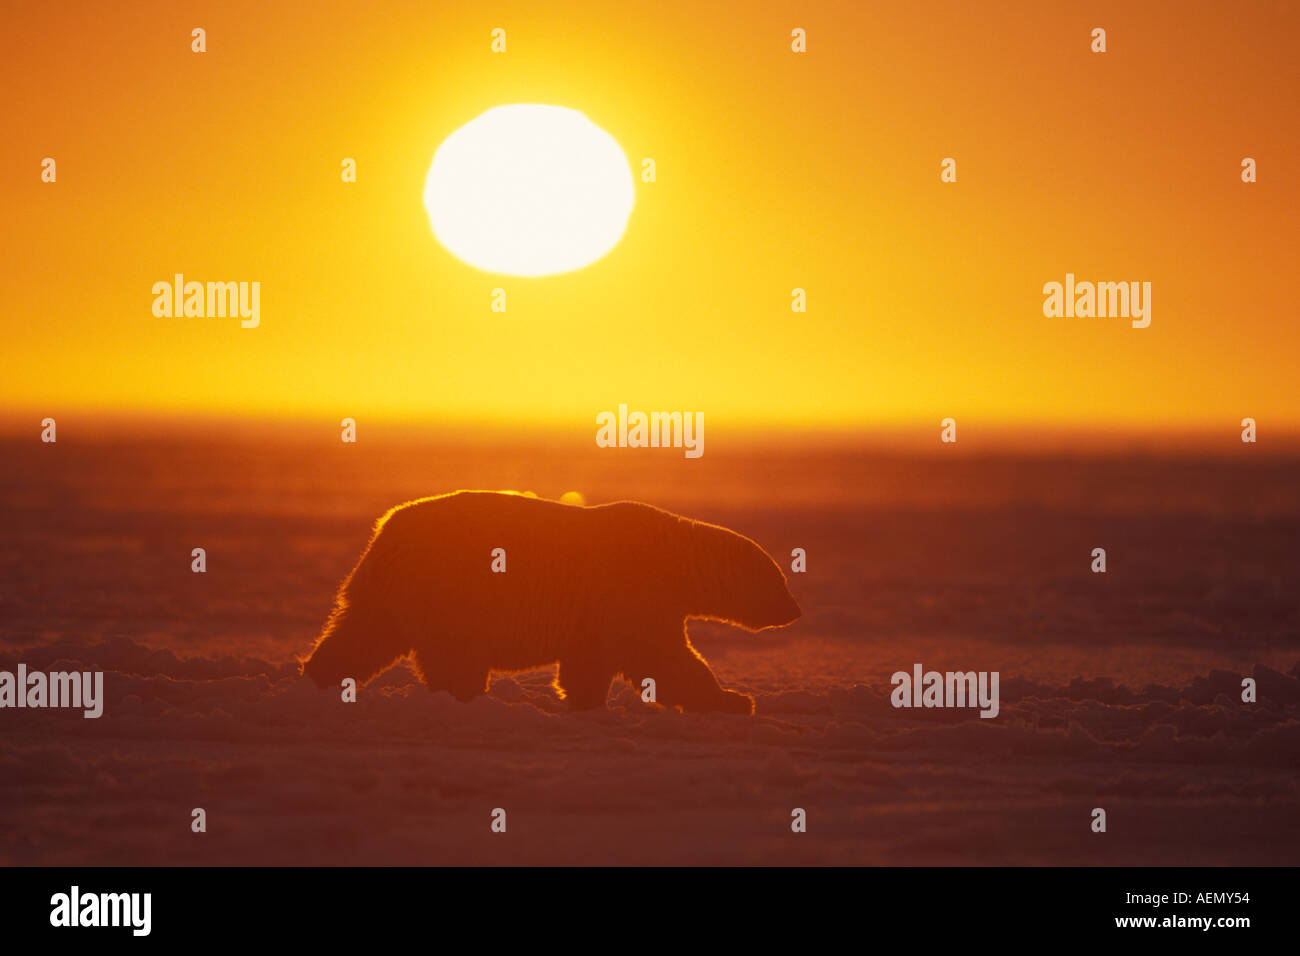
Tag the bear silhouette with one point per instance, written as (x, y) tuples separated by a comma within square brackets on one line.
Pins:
[(603, 591)]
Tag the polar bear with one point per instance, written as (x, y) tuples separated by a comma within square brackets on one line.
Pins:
[(478, 581)]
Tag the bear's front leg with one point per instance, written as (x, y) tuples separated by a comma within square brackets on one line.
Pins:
[(683, 679), (461, 679)]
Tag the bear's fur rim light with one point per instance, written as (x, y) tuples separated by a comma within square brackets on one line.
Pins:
[(601, 590)]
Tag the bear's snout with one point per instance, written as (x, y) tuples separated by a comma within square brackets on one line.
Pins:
[(787, 612), (793, 611), (775, 611)]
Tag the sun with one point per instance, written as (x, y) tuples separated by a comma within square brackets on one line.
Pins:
[(529, 190)]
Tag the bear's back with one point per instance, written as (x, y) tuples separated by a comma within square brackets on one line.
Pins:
[(496, 557), (476, 514), (478, 511), (536, 534)]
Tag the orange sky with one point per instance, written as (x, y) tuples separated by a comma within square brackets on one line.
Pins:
[(774, 170)]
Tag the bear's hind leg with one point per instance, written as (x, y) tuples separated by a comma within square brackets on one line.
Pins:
[(462, 681), (583, 685)]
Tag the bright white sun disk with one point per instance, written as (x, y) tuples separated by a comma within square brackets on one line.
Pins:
[(529, 190)]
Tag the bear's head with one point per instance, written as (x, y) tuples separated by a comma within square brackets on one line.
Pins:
[(732, 579)]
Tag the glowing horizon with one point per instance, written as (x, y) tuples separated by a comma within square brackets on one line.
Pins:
[(774, 171)]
